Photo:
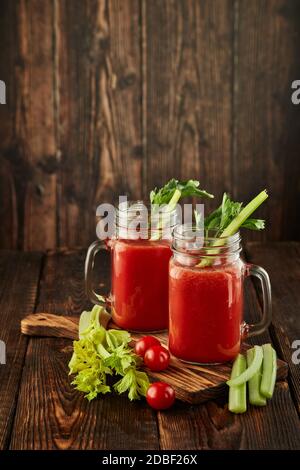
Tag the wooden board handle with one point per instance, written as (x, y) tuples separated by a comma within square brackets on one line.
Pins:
[(47, 324)]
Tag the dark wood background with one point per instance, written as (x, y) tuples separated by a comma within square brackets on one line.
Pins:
[(117, 96)]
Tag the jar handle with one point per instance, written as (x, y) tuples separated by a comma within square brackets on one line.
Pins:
[(262, 275), (93, 249)]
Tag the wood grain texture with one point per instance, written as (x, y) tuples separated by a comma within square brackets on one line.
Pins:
[(19, 274), (29, 148), (99, 110), (266, 123), (50, 413), (212, 426), (192, 383), (109, 97), (8, 177), (281, 260), (187, 92), (50, 325)]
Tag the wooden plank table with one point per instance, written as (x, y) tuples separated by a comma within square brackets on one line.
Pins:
[(39, 409)]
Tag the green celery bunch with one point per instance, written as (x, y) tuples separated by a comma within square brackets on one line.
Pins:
[(100, 353)]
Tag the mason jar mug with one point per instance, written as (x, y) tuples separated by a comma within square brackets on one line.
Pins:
[(206, 278), (139, 269)]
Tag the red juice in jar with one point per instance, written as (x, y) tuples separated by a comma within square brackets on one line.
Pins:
[(140, 284), (206, 307)]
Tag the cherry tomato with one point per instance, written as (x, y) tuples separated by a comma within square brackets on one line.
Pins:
[(160, 396), (145, 343), (157, 358)]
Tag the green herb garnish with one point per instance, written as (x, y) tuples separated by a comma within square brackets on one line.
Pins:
[(100, 352), (175, 190), (169, 195), (228, 218), (232, 213)]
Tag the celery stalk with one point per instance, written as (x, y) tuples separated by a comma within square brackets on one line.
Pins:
[(250, 371), (171, 205), (244, 214), (175, 198), (269, 371), (234, 226), (255, 397), (237, 395)]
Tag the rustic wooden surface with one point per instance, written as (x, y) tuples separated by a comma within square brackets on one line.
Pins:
[(286, 326), (39, 409), (266, 34), (109, 97), (188, 79), (19, 280), (192, 383)]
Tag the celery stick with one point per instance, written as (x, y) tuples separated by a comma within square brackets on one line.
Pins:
[(234, 226), (170, 206), (237, 395), (175, 198), (250, 371), (244, 214), (269, 371), (255, 397)]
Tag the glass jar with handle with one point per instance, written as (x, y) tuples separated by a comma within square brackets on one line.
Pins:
[(206, 278), (140, 254)]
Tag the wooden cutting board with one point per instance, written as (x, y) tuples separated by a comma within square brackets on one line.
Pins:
[(192, 383)]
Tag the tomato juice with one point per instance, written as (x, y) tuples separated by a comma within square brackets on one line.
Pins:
[(206, 309), (140, 284)]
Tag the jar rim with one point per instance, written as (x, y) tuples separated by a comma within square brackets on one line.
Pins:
[(151, 217), (198, 242), (132, 205), (181, 232)]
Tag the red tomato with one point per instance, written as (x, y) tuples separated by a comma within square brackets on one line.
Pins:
[(157, 358), (145, 343), (160, 396)]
